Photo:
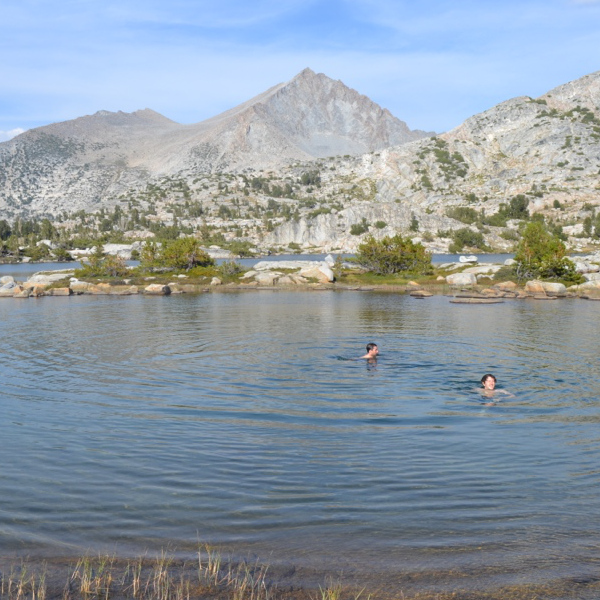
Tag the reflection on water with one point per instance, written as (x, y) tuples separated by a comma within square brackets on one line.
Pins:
[(132, 423)]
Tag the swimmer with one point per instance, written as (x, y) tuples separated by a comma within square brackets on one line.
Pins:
[(488, 381), (372, 351)]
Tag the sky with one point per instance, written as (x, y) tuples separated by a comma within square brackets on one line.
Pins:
[(432, 63)]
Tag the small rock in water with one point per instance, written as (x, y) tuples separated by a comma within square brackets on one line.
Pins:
[(156, 289), (421, 294)]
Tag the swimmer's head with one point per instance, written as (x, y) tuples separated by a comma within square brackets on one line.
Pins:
[(372, 349), (488, 381)]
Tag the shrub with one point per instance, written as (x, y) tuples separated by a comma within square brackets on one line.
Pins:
[(517, 207), (542, 255), (464, 214), (338, 267), (225, 212), (426, 182), (505, 273), (241, 248), (229, 268), (182, 253), (591, 226), (510, 235), (496, 220), (359, 228), (165, 232), (466, 237), (311, 178), (393, 255), (149, 254), (380, 224), (414, 224), (99, 265), (115, 266), (37, 253), (61, 254), (82, 242), (5, 230), (323, 210)]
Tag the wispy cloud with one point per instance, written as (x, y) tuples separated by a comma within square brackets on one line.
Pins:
[(432, 63)]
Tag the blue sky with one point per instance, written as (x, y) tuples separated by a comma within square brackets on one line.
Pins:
[(431, 63)]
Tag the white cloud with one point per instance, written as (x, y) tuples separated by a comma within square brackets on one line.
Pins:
[(7, 135)]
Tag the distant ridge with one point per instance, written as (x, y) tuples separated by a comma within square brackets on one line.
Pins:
[(80, 164)]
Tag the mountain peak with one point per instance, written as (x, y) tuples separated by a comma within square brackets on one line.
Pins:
[(325, 117), (310, 116), (307, 72)]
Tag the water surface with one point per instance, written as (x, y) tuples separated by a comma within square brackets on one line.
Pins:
[(135, 423)]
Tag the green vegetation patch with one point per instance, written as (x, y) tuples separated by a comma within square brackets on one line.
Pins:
[(467, 237), (182, 253), (540, 254), (393, 255)]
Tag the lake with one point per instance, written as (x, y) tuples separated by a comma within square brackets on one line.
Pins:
[(132, 424)]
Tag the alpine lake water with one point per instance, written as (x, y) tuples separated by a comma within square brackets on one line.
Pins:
[(131, 424)]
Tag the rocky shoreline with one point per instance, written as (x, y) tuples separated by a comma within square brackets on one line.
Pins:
[(467, 281)]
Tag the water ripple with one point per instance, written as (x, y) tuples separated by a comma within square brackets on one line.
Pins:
[(246, 419)]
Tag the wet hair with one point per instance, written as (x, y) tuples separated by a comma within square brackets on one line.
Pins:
[(370, 346), (483, 379)]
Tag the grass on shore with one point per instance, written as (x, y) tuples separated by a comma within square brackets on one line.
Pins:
[(162, 578), (105, 577), (210, 577)]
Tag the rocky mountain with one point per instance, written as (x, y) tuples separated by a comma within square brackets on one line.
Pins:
[(88, 162), (546, 149), (543, 153), (313, 165)]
